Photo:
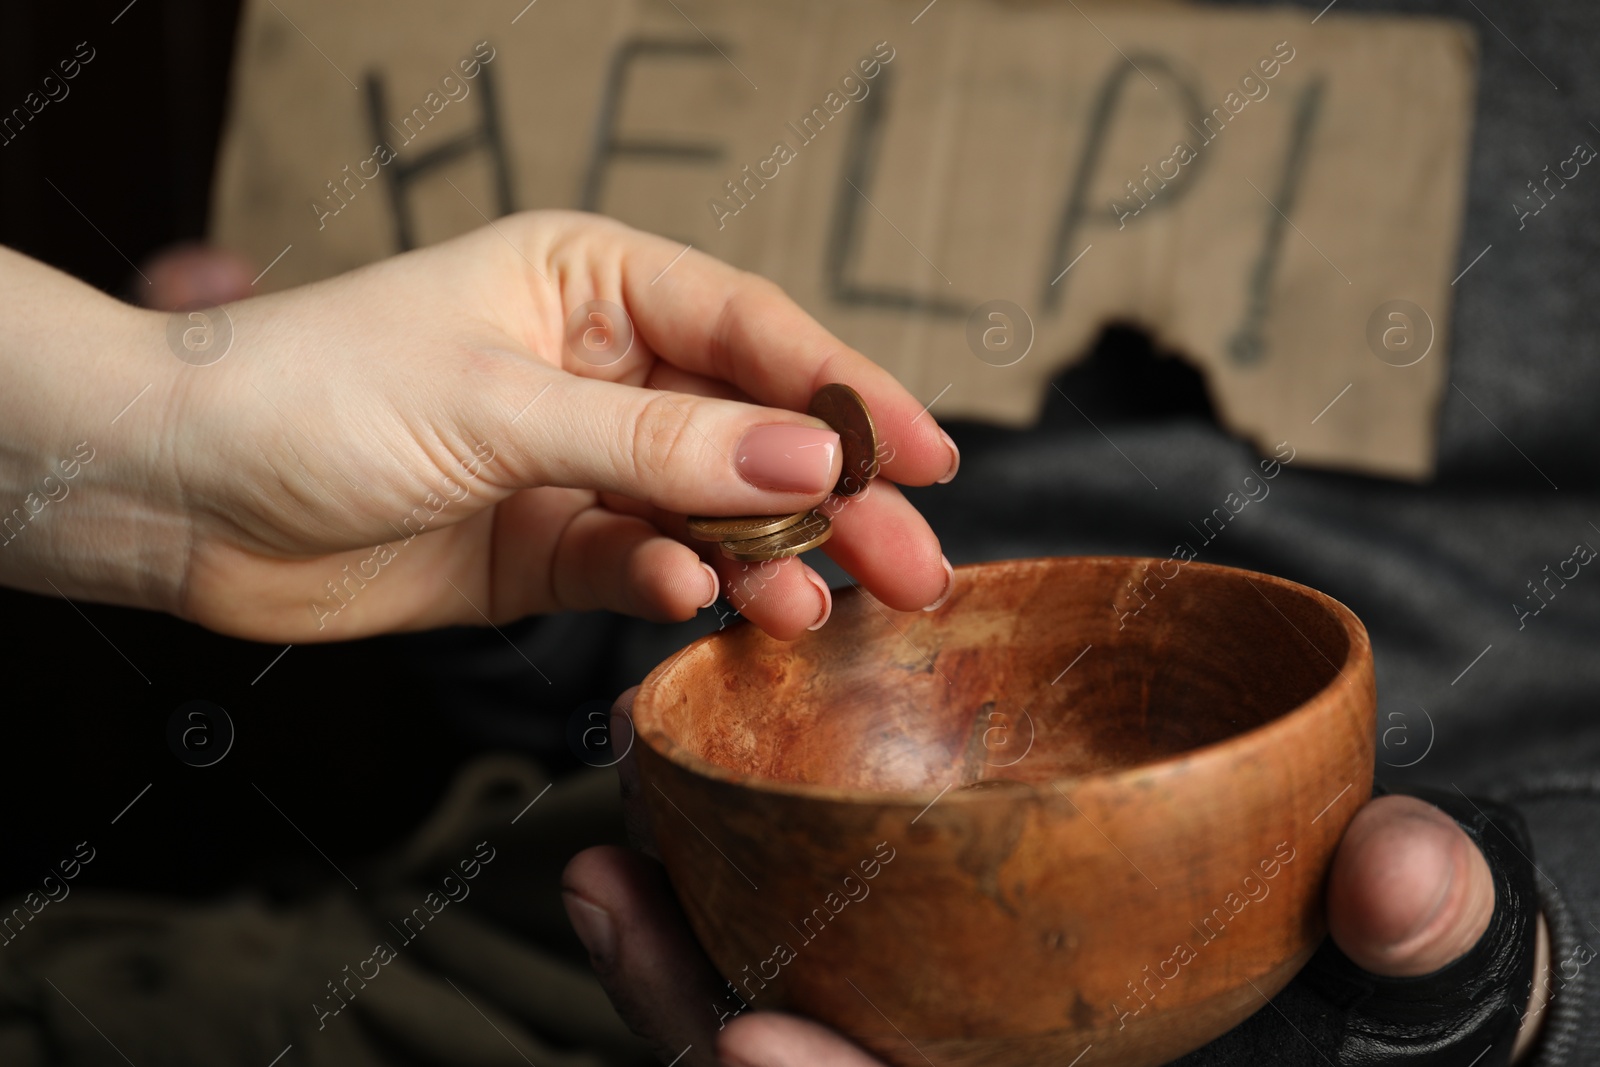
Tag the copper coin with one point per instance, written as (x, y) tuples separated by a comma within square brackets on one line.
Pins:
[(740, 528), (816, 529), (842, 408)]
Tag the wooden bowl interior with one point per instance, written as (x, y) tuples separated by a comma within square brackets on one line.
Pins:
[(998, 686)]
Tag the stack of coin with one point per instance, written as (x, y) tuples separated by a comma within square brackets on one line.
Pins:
[(751, 539)]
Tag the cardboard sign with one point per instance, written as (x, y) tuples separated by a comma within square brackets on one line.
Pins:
[(968, 192)]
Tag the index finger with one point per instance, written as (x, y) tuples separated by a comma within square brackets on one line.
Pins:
[(710, 318)]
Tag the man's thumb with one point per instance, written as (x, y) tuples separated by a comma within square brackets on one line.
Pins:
[(1409, 892)]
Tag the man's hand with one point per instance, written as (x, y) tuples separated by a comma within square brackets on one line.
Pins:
[(432, 440), (1408, 894)]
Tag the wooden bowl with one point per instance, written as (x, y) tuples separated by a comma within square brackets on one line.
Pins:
[(1089, 801)]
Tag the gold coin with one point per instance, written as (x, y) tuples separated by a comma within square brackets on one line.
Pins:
[(816, 529), (740, 528), (842, 408)]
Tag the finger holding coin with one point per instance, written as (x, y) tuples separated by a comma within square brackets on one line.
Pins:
[(604, 558), (878, 537), (917, 577), (909, 446), (754, 538), (710, 319), (884, 543), (843, 409), (880, 437), (784, 597), (742, 528), (812, 531), (692, 454)]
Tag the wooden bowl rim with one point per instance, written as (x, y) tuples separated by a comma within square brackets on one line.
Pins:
[(1257, 741)]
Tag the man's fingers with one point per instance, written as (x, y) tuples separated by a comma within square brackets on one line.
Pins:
[(623, 910), (770, 1039), (1409, 892)]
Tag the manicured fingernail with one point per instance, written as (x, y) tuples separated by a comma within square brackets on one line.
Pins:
[(827, 598), (715, 582), (949, 585), (955, 459), (788, 459), (594, 929)]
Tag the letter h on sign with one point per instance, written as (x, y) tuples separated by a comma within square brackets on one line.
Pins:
[(608, 143), (401, 173)]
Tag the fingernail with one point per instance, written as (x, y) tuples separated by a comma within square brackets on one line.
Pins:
[(716, 584), (949, 586), (594, 929), (1446, 878), (955, 459), (788, 459), (827, 598)]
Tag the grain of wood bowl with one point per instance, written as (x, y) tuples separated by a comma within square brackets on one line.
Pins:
[(1089, 802)]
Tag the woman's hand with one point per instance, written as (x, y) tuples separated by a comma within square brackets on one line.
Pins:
[(448, 437)]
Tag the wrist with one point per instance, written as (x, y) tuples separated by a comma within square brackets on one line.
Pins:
[(88, 505)]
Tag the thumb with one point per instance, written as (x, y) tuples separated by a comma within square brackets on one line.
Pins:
[(661, 983), (682, 453), (1409, 892)]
